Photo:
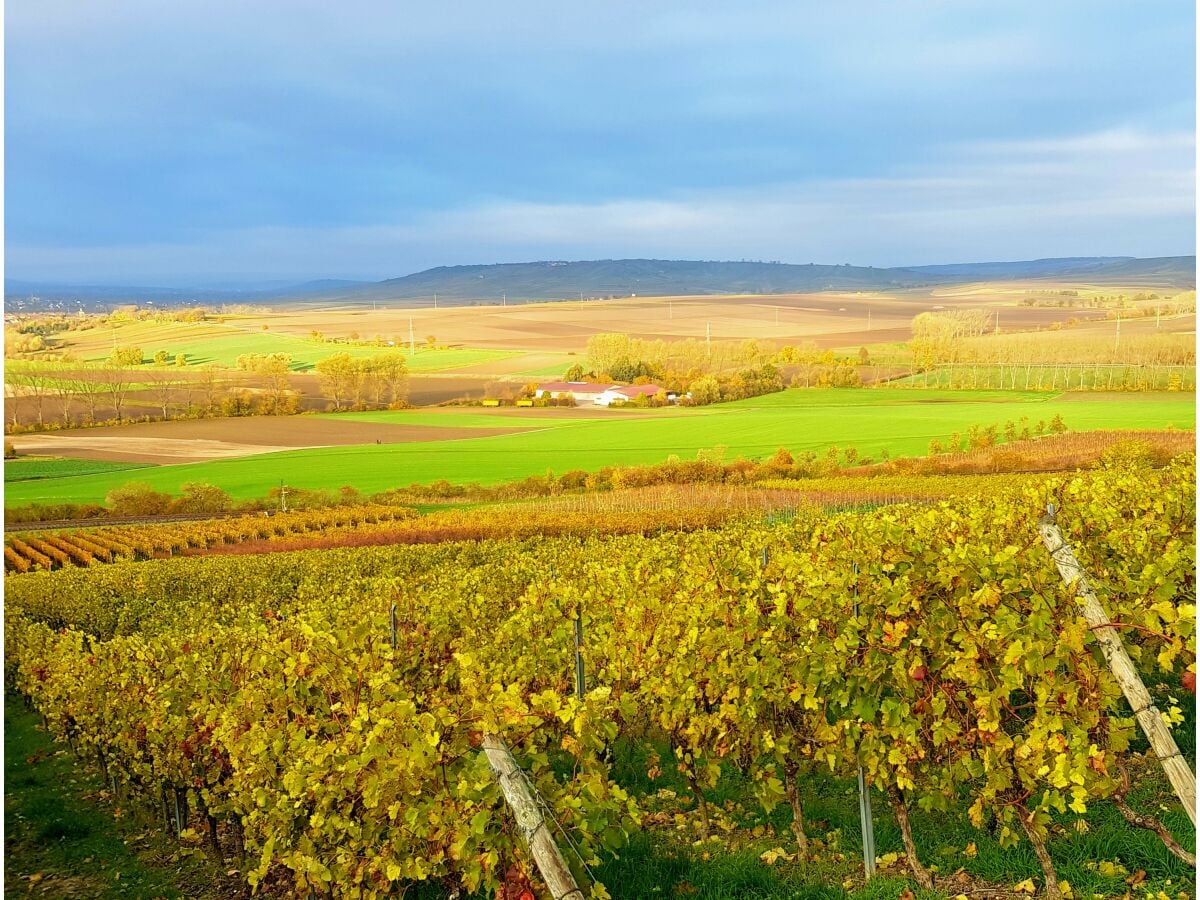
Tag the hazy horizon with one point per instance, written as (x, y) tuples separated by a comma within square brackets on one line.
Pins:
[(248, 285), (189, 144)]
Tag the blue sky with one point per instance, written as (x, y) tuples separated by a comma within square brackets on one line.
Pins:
[(227, 142)]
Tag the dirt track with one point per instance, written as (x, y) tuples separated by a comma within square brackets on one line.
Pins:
[(200, 440)]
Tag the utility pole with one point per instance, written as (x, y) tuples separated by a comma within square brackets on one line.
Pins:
[(504, 299), (1118, 347), (435, 299), (868, 318), (283, 492), (708, 336), (412, 338), (670, 310)]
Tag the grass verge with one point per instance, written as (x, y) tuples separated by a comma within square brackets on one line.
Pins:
[(66, 836)]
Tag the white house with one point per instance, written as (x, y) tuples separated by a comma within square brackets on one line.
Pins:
[(582, 391), (630, 393)]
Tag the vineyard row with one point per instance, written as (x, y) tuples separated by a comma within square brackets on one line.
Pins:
[(934, 647)]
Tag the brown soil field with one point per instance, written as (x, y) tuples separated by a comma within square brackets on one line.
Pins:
[(423, 390), (198, 440), (830, 319)]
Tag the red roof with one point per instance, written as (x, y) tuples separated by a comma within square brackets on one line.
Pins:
[(573, 387), (638, 390)]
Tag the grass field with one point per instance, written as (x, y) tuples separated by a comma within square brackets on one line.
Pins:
[(902, 422), (57, 467), (217, 344)]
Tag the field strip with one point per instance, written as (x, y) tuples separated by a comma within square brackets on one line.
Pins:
[(166, 449)]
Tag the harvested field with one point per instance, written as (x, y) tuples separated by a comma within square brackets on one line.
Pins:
[(202, 440), (832, 319)]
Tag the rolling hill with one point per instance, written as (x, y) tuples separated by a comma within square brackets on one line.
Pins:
[(559, 280)]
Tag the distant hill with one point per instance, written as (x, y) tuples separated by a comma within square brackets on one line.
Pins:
[(1178, 271), (1030, 268), (559, 280), (36, 294)]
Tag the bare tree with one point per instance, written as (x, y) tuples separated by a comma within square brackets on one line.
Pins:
[(88, 387), (117, 383), (10, 399), (64, 389), (162, 386), (33, 382), (210, 387)]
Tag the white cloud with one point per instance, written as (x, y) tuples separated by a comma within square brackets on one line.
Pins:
[(1120, 191)]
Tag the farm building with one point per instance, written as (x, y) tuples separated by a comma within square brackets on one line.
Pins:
[(582, 391), (630, 393)]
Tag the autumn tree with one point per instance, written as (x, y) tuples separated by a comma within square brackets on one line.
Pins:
[(390, 372), (275, 371), (335, 374), (126, 356)]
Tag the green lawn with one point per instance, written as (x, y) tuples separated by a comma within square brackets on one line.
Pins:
[(24, 469), (903, 422)]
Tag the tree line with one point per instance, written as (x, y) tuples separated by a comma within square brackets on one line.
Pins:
[(62, 395)]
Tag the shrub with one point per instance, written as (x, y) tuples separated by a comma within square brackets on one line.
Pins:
[(137, 499), (202, 499)]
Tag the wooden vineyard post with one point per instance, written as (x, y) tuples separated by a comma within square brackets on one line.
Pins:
[(531, 821), (579, 673), (865, 820), (1179, 773)]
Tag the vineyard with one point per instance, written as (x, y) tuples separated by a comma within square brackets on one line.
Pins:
[(626, 511), (317, 716), (26, 551), (377, 525)]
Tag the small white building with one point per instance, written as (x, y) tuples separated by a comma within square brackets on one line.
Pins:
[(582, 391), (631, 392)]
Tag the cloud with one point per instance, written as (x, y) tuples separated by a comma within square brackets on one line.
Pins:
[(296, 137), (1119, 192)]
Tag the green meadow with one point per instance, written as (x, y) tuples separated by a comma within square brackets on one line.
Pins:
[(34, 467), (202, 347), (902, 422)]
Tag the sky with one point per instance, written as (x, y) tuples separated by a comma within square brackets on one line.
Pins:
[(241, 142)]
